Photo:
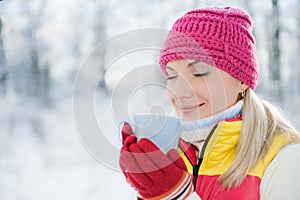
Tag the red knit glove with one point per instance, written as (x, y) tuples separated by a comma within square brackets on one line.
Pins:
[(152, 173)]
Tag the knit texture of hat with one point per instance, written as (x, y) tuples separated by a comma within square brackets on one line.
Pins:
[(221, 37)]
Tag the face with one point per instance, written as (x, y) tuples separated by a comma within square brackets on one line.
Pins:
[(197, 90)]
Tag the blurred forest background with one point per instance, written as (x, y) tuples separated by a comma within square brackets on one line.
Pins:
[(42, 46)]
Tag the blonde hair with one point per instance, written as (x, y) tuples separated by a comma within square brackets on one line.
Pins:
[(261, 122)]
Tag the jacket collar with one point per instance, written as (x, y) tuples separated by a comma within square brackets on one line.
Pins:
[(196, 132), (222, 138)]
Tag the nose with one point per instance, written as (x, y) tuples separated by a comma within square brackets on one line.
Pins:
[(181, 88)]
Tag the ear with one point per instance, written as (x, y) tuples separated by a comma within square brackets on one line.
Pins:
[(243, 87), (241, 90)]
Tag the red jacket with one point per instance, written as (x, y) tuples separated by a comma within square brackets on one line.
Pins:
[(216, 156)]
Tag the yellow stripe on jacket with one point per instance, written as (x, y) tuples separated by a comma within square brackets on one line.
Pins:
[(220, 149)]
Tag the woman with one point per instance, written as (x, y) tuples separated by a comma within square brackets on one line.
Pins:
[(234, 145)]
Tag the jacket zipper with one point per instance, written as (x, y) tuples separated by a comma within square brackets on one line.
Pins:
[(195, 171), (197, 167)]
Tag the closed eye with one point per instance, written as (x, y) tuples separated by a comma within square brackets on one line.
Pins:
[(171, 77), (200, 74)]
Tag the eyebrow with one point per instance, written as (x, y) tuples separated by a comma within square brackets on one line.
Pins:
[(191, 64)]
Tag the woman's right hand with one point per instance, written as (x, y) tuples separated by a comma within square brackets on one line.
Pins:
[(151, 172)]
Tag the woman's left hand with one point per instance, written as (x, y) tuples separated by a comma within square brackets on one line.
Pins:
[(151, 172)]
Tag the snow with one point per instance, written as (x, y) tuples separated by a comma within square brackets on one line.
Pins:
[(42, 153), (51, 164)]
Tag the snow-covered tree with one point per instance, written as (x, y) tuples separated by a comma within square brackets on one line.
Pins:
[(3, 67), (24, 61), (298, 45), (275, 43)]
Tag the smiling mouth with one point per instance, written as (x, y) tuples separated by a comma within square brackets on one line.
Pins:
[(188, 109)]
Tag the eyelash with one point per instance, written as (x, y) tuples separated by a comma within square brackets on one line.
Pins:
[(171, 77), (195, 75), (200, 75)]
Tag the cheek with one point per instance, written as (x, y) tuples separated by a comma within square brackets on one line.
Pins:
[(224, 93), (217, 93), (211, 89), (202, 90), (218, 96), (171, 97)]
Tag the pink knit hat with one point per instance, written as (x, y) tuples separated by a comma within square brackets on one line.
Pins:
[(217, 36)]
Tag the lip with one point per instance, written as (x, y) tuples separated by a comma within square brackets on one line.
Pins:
[(189, 109)]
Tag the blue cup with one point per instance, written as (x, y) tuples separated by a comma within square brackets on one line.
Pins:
[(162, 130)]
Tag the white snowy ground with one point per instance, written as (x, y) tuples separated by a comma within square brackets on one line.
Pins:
[(41, 157)]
